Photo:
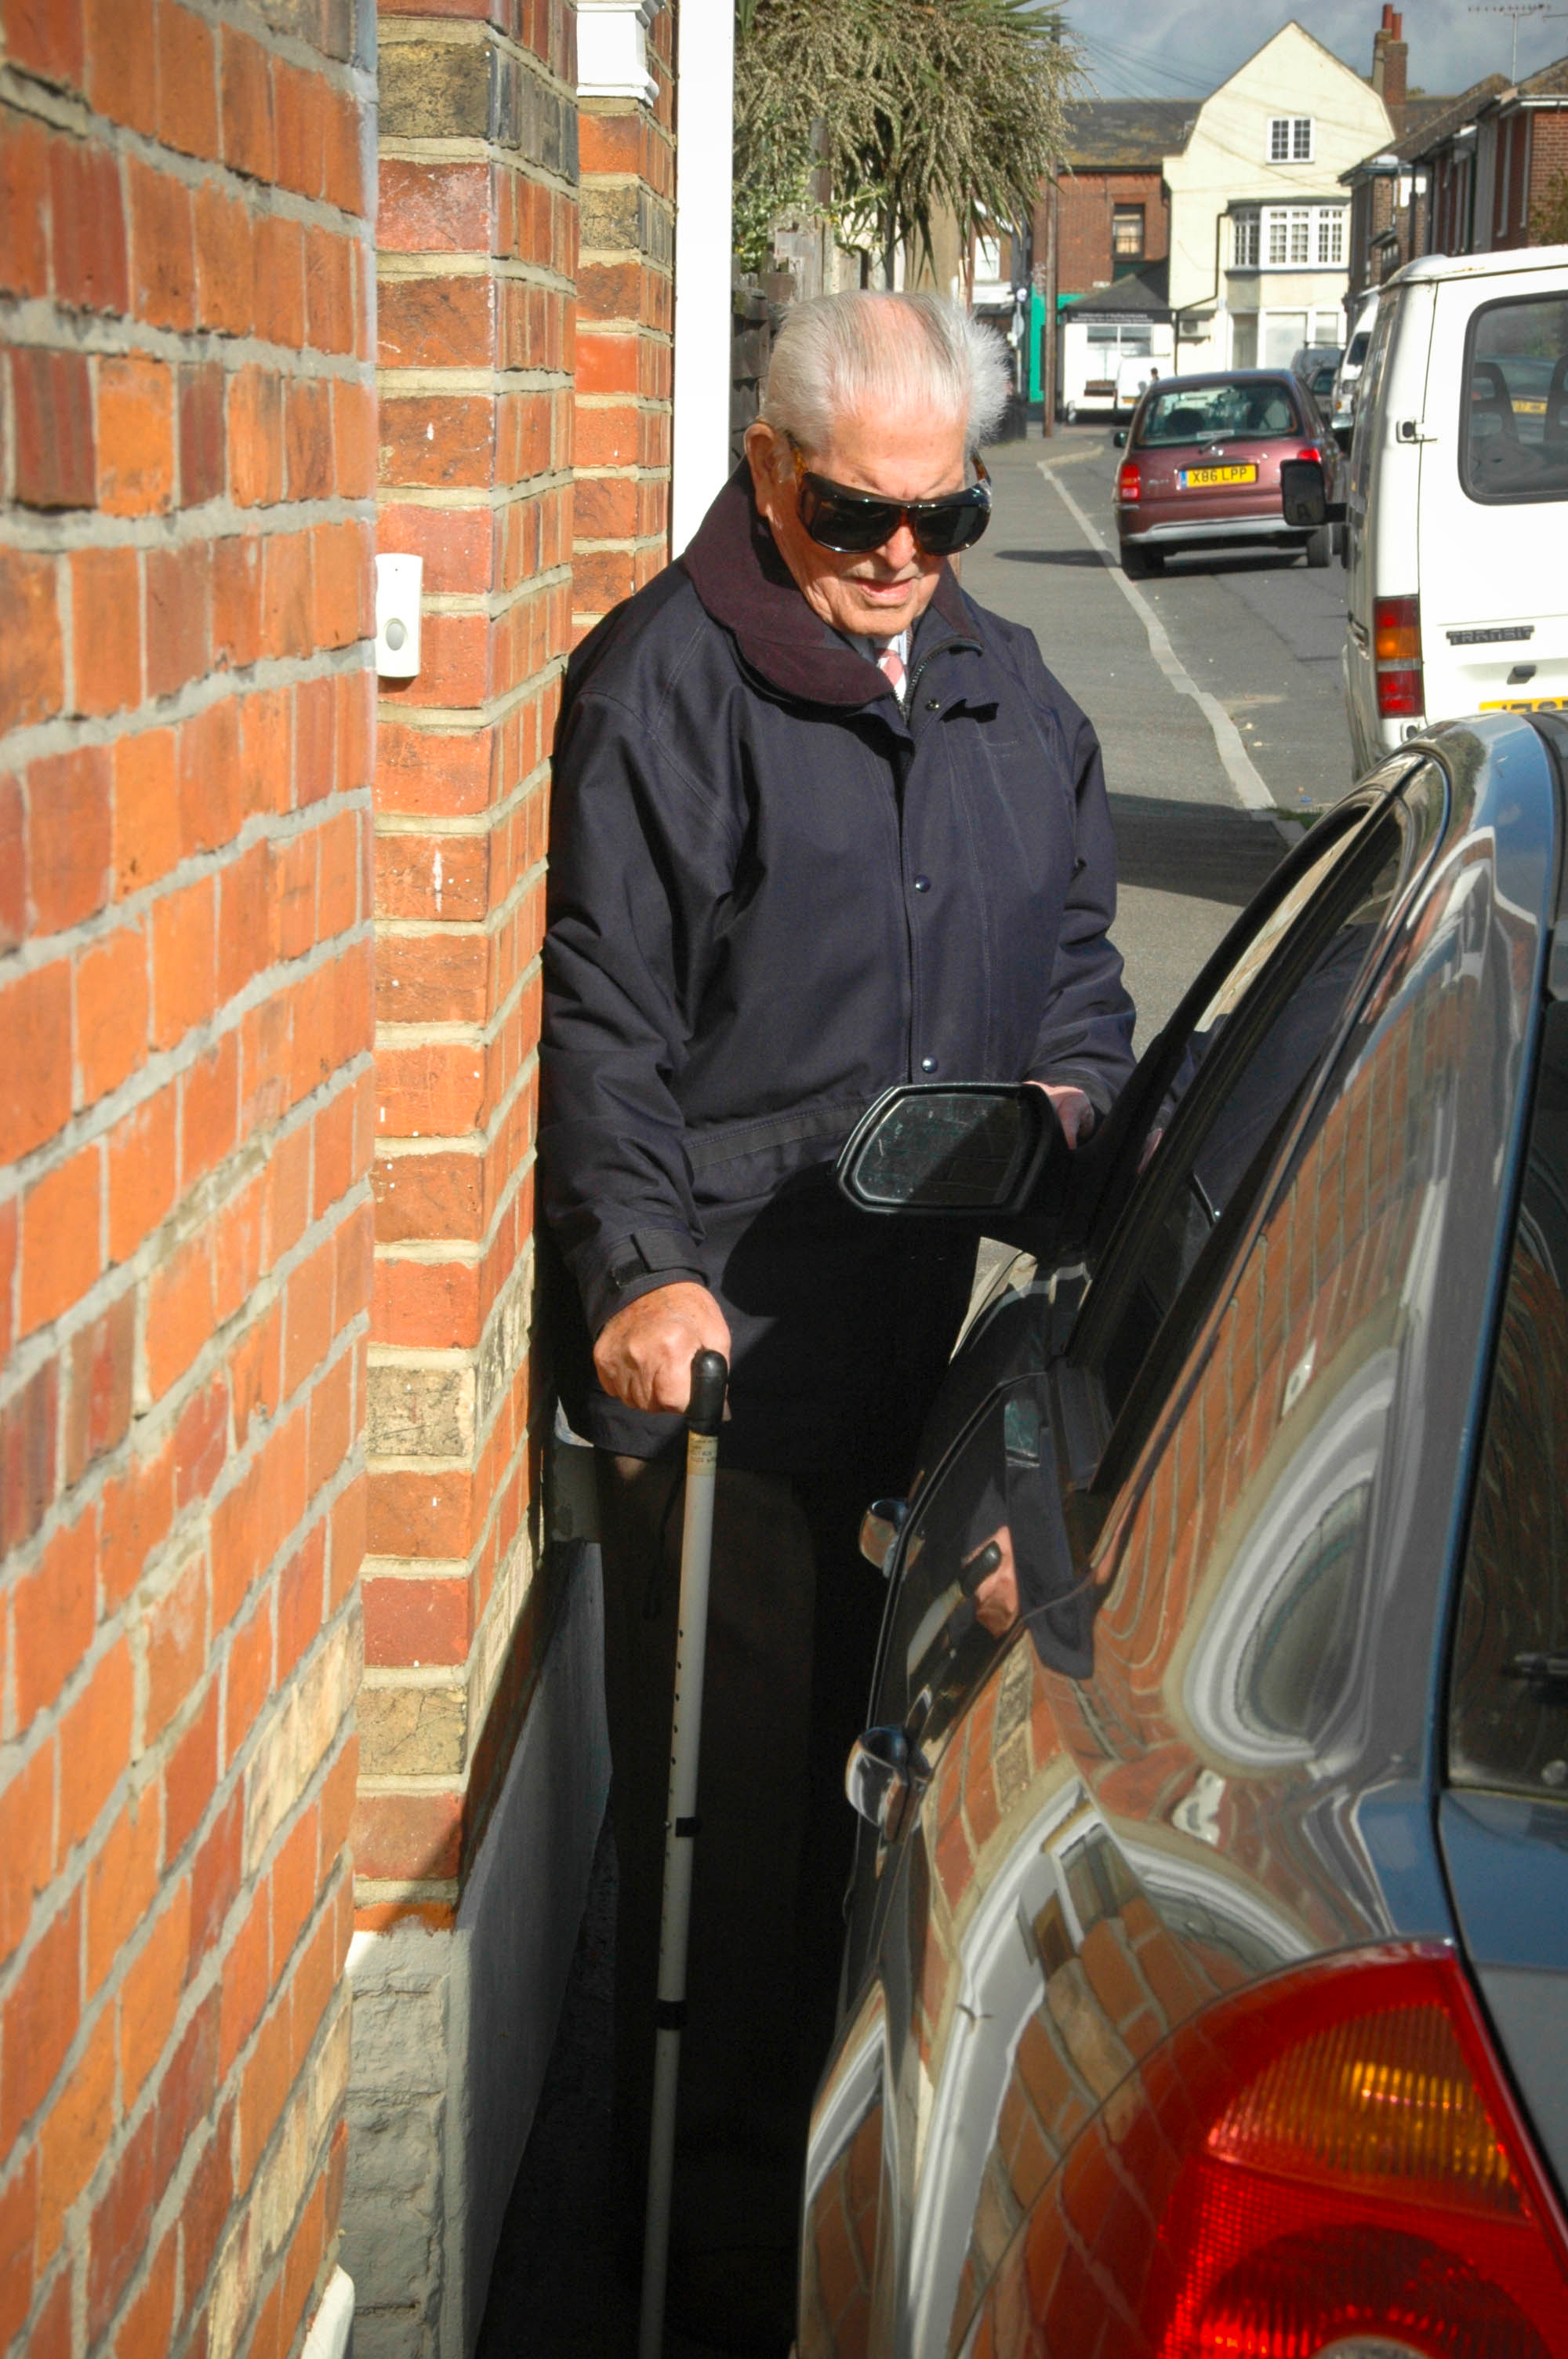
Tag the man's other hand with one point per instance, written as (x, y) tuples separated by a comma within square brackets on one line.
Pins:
[(644, 1354), (1075, 1111)]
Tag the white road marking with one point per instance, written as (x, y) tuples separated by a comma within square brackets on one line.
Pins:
[(1234, 758)]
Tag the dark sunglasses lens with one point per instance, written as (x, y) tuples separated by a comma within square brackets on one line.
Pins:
[(849, 526), (942, 532)]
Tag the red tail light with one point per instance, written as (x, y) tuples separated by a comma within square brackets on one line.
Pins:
[(1396, 652), (1129, 482), (1331, 2157)]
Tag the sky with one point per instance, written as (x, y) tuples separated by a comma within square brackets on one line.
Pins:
[(1182, 48)]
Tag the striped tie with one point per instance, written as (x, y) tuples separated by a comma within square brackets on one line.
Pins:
[(890, 664)]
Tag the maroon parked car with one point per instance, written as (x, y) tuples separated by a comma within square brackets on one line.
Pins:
[(1203, 469)]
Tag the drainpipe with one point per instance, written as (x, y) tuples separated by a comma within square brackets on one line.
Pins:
[(705, 44)]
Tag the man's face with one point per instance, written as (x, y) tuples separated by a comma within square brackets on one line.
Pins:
[(880, 592)]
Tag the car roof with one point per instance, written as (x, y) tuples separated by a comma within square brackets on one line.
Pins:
[(1225, 376)]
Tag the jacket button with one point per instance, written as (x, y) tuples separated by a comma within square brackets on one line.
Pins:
[(923, 884), (928, 1064), (933, 704)]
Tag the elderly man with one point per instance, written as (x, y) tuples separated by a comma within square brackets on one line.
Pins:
[(821, 824)]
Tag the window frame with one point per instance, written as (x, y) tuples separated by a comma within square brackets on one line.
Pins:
[(1292, 126), (1137, 215)]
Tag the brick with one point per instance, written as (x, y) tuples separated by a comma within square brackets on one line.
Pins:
[(208, 776), (32, 664), (286, 602), (203, 444), (121, 2221), (27, 1439), (339, 583), (146, 811), (412, 1623), (12, 870), (150, 1994), (98, 1400), (330, 299), (135, 435), (433, 208), (95, 1744), (35, 1077), (163, 247), (18, 2237), (315, 741), (106, 627), (280, 280), (180, 1316), (179, 615), (68, 840), (27, 1843), (215, 1876), (44, 39), (264, 2087), (75, 2133), (10, 1229), (147, 2329), (189, 1782), (245, 921), (61, 1228), (121, 62), (300, 115), (40, 2019), (434, 440), (208, 2197), (225, 263), (87, 215), (51, 425), (175, 1630), (184, 961), (256, 435), (437, 323), (186, 2092), (246, 105), (110, 1011), (187, 88), (407, 1836), (24, 204)]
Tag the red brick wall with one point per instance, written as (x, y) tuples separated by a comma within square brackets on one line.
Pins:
[(625, 305), (1547, 159), (1086, 201), (477, 252), (189, 436)]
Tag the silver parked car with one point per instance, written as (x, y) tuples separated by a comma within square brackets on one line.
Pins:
[(1207, 1978)]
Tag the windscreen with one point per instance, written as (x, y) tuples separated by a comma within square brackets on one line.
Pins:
[(1246, 410), (1514, 402)]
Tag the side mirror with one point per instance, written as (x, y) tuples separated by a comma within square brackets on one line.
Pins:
[(1119, 438), (963, 1148), (880, 1528), (882, 1771), (1302, 494)]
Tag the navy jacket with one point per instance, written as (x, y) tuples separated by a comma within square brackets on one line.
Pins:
[(771, 895)]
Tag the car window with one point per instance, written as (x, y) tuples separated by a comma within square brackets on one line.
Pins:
[(1508, 1693), (1513, 420), (1242, 412)]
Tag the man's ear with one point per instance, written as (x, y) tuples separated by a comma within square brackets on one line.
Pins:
[(763, 452)]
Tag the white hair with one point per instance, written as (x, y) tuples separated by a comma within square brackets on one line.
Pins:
[(871, 354)]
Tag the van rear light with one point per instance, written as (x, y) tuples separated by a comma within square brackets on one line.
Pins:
[(1329, 2161), (1129, 482), (1396, 655)]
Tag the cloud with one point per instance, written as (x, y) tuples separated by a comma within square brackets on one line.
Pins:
[(1187, 48)]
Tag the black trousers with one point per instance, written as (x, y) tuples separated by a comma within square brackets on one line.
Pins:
[(794, 1615)]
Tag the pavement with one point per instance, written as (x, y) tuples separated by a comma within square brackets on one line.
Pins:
[(1215, 692)]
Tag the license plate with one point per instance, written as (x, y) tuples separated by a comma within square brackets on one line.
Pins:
[(1523, 408), (1527, 704), (1194, 479)]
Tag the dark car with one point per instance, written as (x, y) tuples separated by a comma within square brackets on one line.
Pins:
[(1209, 464), (1207, 1977)]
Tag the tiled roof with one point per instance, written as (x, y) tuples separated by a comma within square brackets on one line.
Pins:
[(1143, 294), (1551, 81), (1131, 132), (1455, 112)]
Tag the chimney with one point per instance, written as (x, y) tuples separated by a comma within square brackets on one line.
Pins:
[(1390, 55)]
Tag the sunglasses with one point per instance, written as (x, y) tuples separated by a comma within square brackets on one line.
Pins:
[(854, 522)]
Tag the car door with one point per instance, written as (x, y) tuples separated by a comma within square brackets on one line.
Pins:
[(935, 1960)]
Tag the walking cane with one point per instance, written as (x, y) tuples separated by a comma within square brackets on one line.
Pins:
[(710, 1376)]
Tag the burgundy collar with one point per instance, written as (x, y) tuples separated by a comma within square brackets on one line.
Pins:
[(744, 582)]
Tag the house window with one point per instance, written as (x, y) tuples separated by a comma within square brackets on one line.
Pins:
[(1127, 232), (1290, 139), (1244, 241), (1289, 235), (1330, 236)]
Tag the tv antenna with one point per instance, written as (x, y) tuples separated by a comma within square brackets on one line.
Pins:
[(1516, 9)]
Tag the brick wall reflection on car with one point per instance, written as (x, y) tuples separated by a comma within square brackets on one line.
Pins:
[(1319, 1295)]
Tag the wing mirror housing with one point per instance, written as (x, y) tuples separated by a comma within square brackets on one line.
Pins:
[(1305, 496), (883, 1771), (951, 1150), (1119, 438), (880, 1528)]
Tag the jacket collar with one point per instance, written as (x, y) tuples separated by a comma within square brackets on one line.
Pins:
[(743, 584)]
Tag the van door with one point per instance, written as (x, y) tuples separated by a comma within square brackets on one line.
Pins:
[(1494, 495)]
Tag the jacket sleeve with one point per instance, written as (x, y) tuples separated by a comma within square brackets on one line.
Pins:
[(1085, 1032), (639, 860)]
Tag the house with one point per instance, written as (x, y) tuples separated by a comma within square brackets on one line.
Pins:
[(1392, 194), (1258, 244), (1106, 214), (1495, 162)]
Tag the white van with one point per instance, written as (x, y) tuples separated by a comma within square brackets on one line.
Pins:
[(1457, 519), (1348, 376)]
